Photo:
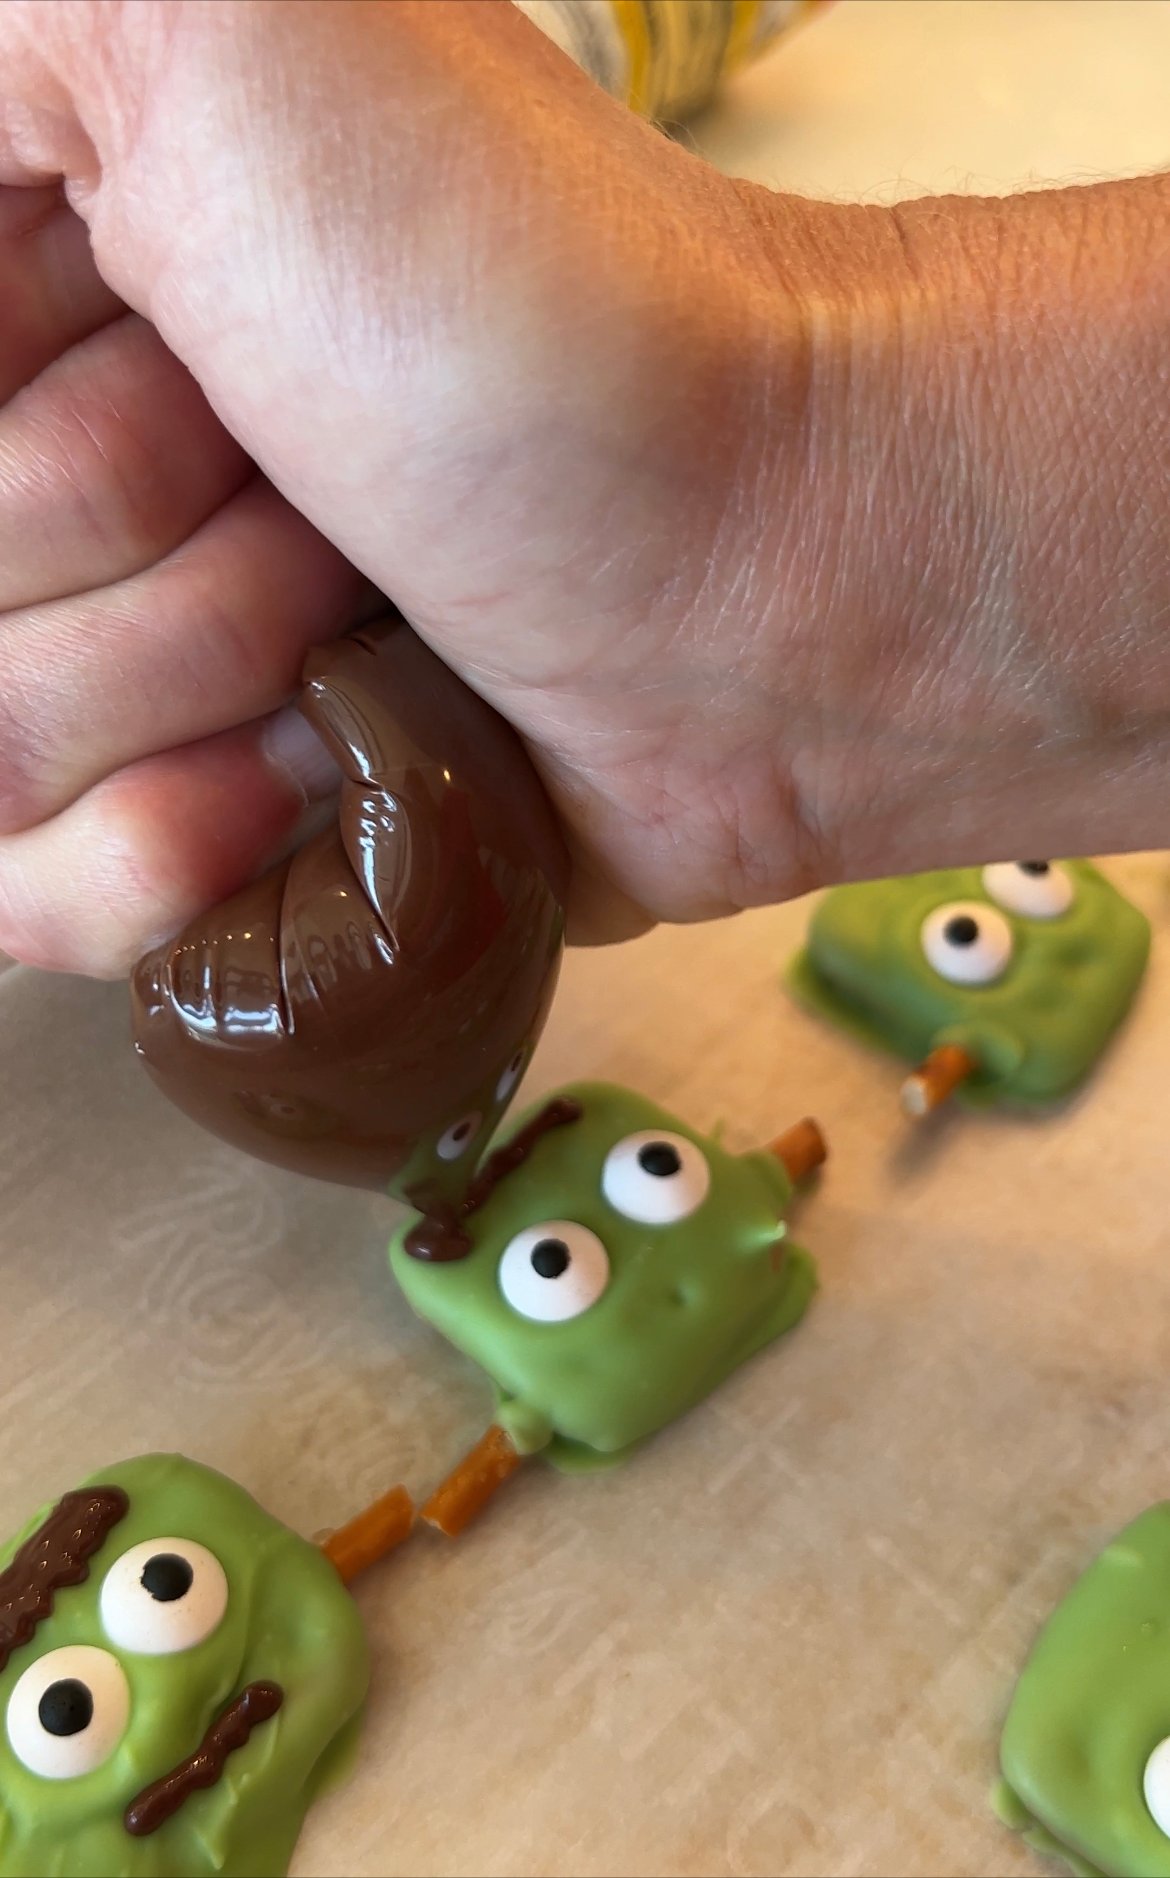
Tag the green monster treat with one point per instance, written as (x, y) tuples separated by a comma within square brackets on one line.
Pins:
[(608, 1269), (1006, 982), (180, 1675), (1086, 1747)]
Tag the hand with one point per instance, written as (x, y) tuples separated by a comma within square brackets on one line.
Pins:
[(799, 541), (156, 597)]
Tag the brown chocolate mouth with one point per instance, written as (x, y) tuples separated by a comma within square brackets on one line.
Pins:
[(151, 1808)]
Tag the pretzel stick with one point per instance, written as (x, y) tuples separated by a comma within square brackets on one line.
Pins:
[(465, 1492), (936, 1079), (361, 1542), (801, 1148)]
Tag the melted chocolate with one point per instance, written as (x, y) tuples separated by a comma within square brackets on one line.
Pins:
[(55, 1555), (342, 1014), (151, 1808), (440, 1236)]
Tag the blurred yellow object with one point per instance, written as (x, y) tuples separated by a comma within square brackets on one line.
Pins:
[(664, 58)]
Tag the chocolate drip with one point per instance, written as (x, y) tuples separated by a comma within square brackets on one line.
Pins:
[(343, 1014), (151, 1808), (439, 1236), (55, 1555)]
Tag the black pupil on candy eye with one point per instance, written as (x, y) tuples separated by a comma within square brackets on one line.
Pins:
[(659, 1158), (550, 1258), (65, 1708), (1036, 868), (166, 1577), (962, 930)]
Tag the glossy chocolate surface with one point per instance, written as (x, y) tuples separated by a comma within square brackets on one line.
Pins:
[(364, 1011), (157, 1803), (442, 1235), (57, 1554)]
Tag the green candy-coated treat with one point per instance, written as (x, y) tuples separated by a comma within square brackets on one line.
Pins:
[(287, 1620), (605, 1296), (1051, 970), (1089, 1711)]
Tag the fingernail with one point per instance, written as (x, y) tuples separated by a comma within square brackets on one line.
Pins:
[(291, 746)]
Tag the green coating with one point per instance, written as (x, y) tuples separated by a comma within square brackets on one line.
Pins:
[(686, 1304), (289, 1620), (1036, 1032), (1092, 1704)]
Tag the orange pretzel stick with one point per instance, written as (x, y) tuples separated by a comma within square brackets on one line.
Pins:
[(361, 1542), (936, 1079), (466, 1491), (801, 1148)]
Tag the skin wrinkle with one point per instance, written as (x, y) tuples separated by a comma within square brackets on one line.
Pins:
[(123, 111), (1061, 538), (21, 760), (32, 213), (50, 135), (134, 865), (963, 474), (1125, 603), (676, 805), (669, 833), (39, 298), (126, 515), (733, 821), (112, 504), (952, 620), (735, 561), (593, 560), (222, 626)]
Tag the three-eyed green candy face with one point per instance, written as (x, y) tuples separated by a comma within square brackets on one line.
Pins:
[(1086, 1747), (193, 1594), (616, 1276), (1030, 966)]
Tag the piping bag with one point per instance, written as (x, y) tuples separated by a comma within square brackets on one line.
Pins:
[(365, 1011)]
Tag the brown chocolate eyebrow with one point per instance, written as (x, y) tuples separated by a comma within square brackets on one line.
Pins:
[(55, 1555), (441, 1237), (151, 1808)]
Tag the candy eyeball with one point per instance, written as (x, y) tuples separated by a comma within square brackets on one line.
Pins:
[(163, 1596), (68, 1712), (553, 1271), (967, 942), (455, 1140), (511, 1075), (1156, 1785), (655, 1177), (1033, 889)]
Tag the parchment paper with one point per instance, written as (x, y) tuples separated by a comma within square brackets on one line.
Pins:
[(780, 1640)]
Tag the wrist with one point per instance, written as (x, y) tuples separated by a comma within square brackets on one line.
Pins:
[(970, 525)]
